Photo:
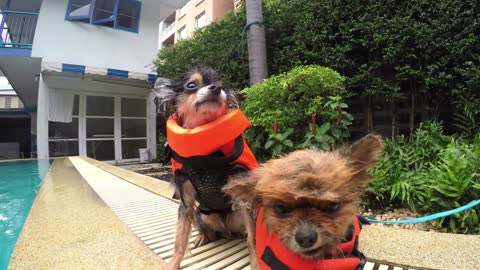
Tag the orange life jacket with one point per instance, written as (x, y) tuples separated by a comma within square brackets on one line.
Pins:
[(208, 154), (272, 254)]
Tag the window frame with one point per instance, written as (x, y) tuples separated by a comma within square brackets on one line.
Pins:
[(183, 28), (79, 18), (114, 19), (204, 15), (124, 139), (136, 28), (75, 115)]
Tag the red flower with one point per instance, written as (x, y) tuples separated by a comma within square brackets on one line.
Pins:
[(275, 126)]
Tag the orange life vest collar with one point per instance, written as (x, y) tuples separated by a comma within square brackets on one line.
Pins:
[(207, 138), (272, 254), (207, 155)]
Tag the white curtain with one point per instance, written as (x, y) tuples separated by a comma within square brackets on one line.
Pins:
[(61, 106)]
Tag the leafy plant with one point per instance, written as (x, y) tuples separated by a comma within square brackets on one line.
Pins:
[(455, 182), (334, 130), (318, 137), (160, 147), (416, 51), (280, 142), (428, 173), (466, 118), (341, 119), (289, 98)]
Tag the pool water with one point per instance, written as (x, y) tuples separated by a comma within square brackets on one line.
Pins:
[(19, 184)]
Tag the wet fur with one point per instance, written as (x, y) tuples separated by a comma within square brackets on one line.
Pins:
[(308, 182), (196, 108)]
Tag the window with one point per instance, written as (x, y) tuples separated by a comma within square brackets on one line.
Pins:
[(8, 102), (104, 12), (128, 15), (200, 20), (182, 11), (80, 10), (118, 14), (181, 33), (63, 137), (133, 127), (100, 127)]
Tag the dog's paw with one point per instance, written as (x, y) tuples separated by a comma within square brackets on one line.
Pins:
[(201, 240)]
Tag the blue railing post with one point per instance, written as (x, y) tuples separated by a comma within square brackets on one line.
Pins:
[(2, 25), (18, 28)]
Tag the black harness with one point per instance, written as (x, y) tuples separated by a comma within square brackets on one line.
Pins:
[(208, 174)]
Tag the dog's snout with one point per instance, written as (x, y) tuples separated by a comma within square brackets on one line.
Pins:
[(214, 89), (306, 238)]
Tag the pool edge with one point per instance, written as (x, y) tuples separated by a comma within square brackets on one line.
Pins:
[(70, 227)]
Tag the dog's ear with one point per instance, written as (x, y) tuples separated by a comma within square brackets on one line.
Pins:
[(162, 88), (242, 188), (364, 153)]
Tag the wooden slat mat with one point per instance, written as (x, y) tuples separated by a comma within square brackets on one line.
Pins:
[(152, 219)]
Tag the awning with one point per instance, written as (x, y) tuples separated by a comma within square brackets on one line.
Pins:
[(81, 70)]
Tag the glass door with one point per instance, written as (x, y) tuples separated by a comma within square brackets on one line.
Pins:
[(63, 137), (133, 122), (99, 127)]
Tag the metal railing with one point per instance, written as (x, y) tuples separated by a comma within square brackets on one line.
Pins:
[(167, 30), (17, 29)]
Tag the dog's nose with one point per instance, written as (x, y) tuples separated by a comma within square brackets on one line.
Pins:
[(214, 89), (306, 238)]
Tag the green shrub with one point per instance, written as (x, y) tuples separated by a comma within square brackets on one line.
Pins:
[(428, 173), (428, 49), (400, 174), (455, 181), (333, 130), (466, 118), (289, 100)]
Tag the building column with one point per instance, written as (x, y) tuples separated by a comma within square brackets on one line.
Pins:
[(33, 134), (42, 119), (152, 126)]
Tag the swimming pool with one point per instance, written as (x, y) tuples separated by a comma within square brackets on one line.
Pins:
[(19, 184)]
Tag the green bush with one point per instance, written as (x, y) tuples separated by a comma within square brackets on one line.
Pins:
[(289, 100), (455, 181), (383, 48), (428, 173)]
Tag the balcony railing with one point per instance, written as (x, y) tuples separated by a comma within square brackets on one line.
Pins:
[(167, 30), (17, 29)]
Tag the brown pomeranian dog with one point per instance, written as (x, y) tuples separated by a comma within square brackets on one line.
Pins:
[(306, 205), (204, 137)]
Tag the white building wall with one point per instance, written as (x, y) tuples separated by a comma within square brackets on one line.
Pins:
[(62, 41), (42, 119)]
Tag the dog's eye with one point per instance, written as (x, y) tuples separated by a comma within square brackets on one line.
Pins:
[(191, 86), (281, 210), (331, 207)]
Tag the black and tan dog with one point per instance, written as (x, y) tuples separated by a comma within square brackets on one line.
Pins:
[(205, 138)]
